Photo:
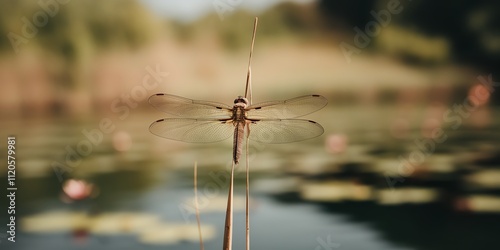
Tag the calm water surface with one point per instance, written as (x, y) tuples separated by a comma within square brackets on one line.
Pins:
[(303, 195)]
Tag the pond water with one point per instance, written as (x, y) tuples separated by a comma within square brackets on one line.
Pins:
[(344, 190)]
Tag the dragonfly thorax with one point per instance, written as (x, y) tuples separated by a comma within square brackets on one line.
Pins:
[(241, 100)]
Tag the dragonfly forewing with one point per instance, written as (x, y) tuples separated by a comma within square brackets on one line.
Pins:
[(188, 108), (291, 108), (192, 130)]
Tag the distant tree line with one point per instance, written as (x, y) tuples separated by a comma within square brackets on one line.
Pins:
[(471, 27)]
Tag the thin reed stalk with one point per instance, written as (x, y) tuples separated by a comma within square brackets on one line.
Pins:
[(247, 199), (228, 225), (248, 95), (248, 87)]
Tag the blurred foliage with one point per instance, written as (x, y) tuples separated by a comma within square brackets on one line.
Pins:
[(472, 28), (425, 32), (114, 23), (469, 25), (282, 22), (82, 28), (412, 46), (77, 30)]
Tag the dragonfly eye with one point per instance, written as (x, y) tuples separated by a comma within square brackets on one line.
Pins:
[(241, 99)]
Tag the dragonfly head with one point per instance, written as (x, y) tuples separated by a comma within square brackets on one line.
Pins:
[(242, 100)]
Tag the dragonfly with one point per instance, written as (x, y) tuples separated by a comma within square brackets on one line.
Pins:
[(273, 122)]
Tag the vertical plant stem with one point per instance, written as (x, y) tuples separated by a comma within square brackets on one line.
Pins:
[(196, 203), (248, 95), (247, 200), (228, 226), (248, 87)]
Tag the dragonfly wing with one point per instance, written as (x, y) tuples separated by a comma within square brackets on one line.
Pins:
[(292, 108), (192, 130), (187, 108), (284, 131)]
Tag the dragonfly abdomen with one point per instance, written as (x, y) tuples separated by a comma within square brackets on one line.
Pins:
[(239, 135)]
